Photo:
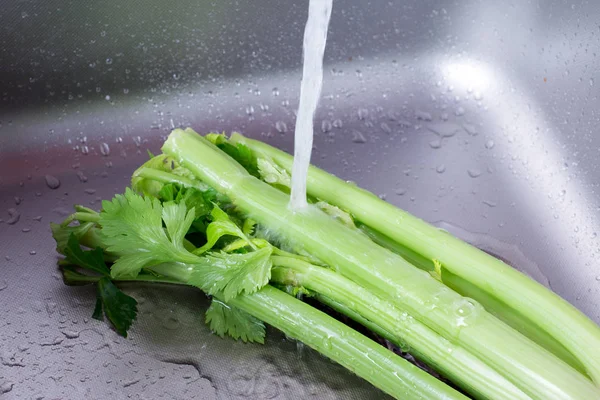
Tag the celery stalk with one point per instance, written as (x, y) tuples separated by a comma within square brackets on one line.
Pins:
[(452, 361), (543, 309), (531, 368), (367, 359)]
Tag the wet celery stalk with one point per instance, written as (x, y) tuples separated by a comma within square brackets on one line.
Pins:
[(532, 369), (507, 292), (452, 361)]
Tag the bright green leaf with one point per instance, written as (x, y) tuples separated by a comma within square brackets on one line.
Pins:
[(232, 274), (226, 320), (132, 227), (222, 225)]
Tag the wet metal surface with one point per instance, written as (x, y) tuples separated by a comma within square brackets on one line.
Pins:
[(480, 117)]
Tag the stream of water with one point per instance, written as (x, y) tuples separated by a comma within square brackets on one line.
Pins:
[(315, 37)]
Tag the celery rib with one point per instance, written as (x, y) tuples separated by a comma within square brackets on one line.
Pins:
[(544, 309), (454, 362), (356, 257)]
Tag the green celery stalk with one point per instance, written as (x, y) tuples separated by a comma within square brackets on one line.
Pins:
[(532, 369), (342, 344), (543, 309), (452, 361), (508, 315)]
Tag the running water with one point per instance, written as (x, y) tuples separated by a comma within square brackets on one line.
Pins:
[(315, 36)]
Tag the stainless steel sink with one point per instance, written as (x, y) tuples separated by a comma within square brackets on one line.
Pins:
[(478, 116)]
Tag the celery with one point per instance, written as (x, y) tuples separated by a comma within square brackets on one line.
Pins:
[(528, 366), (540, 309)]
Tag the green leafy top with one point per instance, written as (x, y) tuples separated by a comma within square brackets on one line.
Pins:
[(132, 227), (140, 233)]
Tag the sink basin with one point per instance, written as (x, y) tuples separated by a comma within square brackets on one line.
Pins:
[(479, 117)]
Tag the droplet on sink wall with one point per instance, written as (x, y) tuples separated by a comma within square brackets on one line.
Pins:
[(52, 182), (474, 173), (425, 116), (281, 127), (104, 149), (435, 144), (14, 216), (358, 137)]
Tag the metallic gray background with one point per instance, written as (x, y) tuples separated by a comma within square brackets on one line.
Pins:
[(478, 116)]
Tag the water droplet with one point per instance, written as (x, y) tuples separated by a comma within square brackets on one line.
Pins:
[(281, 127), (18, 200), (400, 191), (249, 110), (275, 91), (474, 173), (435, 144), (52, 182), (107, 97), (489, 144), (385, 127), (14, 216), (478, 96), (325, 126), (459, 111), (440, 169), (423, 115), (471, 129), (103, 33), (109, 61), (104, 149), (465, 309), (444, 129), (358, 137), (90, 191), (6, 386), (176, 76), (362, 113), (71, 334), (337, 123), (3, 284), (82, 177), (85, 150), (125, 91), (489, 203), (33, 252), (591, 81), (598, 278), (25, 230)]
